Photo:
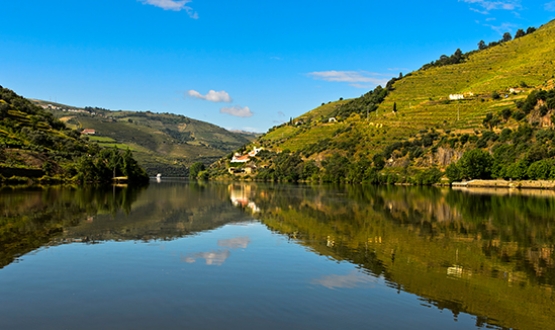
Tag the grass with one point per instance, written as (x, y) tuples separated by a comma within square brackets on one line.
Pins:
[(101, 139)]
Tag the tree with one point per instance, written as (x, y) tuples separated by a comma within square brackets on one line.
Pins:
[(530, 30), (482, 45), (475, 164), (506, 114), (195, 169), (453, 172), (457, 57), (507, 37), (520, 33)]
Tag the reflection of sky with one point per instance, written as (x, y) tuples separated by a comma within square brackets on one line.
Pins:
[(217, 258), (235, 243), (352, 280)]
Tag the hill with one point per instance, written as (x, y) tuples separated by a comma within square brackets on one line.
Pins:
[(34, 144), (498, 99), (162, 142)]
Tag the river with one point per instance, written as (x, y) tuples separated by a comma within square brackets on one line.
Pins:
[(178, 255)]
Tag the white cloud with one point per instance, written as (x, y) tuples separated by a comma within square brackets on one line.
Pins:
[(494, 5), (550, 6), (175, 5), (354, 78), (211, 96), (502, 28), (237, 111)]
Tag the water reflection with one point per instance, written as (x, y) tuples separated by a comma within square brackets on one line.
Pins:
[(355, 279), (35, 217), (488, 254), (217, 258)]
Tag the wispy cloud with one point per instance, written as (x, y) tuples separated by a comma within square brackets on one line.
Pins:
[(354, 78), (502, 28), (212, 96), (175, 5), (237, 111), (487, 6), (550, 6)]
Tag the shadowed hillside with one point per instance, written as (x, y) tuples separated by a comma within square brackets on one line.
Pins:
[(162, 142)]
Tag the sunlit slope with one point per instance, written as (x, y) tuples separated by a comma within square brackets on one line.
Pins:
[(422, 98), (511, 69), (306, 129)]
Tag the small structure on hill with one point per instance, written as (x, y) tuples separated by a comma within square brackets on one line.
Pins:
[(88, 131), (238, 158), (332, 120), (456, 97)]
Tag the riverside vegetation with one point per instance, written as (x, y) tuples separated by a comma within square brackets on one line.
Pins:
[(484, 114), (35, 145)]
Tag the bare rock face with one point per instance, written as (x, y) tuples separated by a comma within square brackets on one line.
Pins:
[(446, 156)]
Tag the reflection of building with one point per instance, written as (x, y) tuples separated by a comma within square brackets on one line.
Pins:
[(239, 195)]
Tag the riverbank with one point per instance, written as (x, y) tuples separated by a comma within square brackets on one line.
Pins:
[(522, 184)]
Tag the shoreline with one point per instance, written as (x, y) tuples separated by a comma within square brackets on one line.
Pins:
[(521, 184)]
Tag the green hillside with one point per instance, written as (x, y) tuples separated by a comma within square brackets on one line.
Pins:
[(162, 143), (36, 145), (414, 128)]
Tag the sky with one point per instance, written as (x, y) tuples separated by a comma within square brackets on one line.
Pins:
[(243, 64)]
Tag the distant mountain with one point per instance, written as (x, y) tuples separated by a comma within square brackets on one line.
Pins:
[(162, 142), (498, 99)]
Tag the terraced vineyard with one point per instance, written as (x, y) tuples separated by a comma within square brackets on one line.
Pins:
[(419, 106)]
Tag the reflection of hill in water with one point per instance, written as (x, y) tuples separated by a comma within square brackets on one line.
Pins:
[(33, 218), (491, 256)]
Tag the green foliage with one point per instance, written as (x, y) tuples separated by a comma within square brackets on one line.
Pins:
[(336, 168), (542, 170), (453, 173), (196, 169), (475, 164), (102, 165), (428, 177), (367, 103), (456, 58)]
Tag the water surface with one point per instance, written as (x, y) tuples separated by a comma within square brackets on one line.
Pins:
[(203, 256)]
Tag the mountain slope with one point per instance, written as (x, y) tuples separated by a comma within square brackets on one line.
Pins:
[(34, 144), (424, 120), (162, 143)]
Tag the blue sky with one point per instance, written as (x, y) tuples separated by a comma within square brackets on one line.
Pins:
[(239, 64)]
